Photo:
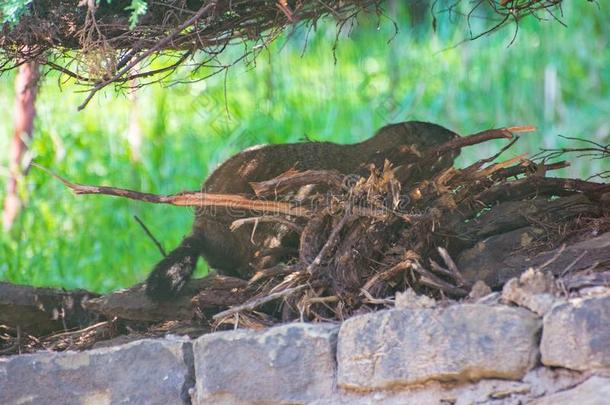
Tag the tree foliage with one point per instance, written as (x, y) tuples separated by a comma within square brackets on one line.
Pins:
[(102, 42)]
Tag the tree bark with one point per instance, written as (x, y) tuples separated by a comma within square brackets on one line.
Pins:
[(39, 311), (26, 88)]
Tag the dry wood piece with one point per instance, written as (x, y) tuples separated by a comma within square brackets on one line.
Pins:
[(191, 199), (42, 310), (132, 304), (293, 180)]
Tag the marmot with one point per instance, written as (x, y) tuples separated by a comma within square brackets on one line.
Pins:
[(231, 253)]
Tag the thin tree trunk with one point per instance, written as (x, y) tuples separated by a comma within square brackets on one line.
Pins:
[(26, 87)]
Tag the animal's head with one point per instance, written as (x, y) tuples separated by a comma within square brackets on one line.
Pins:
[(406, 143)]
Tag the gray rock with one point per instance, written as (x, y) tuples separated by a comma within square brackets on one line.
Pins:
[(537, 383), (576, 334), (396, 348), (142, 372), (479, 290), (410, 299), (594, 391), (293, 363), (534, 290)]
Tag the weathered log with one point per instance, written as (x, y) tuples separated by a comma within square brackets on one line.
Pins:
[(39, 311), (536, 185), (517, 214), (593, 253), (133, 304), (501, 257)]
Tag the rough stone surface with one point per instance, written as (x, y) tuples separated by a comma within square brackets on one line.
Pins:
[(537, 383), (410, 299), (576, 334), (594, 391), (534, 290), (293, 363), (142, 372), (479, 290), (424, 353), (395, 348)]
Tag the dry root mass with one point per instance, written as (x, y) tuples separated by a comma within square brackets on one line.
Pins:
[(357, 241)]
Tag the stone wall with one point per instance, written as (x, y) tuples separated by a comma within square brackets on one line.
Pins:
[(420, 352)]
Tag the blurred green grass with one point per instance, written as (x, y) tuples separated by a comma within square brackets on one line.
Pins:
[(554, 77)]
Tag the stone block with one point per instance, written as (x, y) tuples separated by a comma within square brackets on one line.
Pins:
[(397, 348), (576, 334), (142, 372), (594, 391), (534, 290), (293, 363)]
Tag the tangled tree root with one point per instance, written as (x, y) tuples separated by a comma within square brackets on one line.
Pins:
[(363, 239)]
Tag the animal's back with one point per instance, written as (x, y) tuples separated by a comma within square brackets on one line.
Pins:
[(265, 162)]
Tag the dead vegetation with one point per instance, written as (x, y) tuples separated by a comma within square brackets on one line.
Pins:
[(431, 228), (99, 43)]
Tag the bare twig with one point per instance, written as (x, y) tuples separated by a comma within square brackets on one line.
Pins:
[(256, 302), (243, 221), (293, 179), (452, 266), (150, 235)]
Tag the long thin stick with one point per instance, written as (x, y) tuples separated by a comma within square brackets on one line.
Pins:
[(191, 199), (253, 303), (150, 235)]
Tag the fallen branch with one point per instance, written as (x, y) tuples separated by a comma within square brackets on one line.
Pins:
[(258, 301), (133, 304), (191, 199)]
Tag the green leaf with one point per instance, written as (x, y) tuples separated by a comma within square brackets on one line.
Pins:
[(12, 10), (138, 8)]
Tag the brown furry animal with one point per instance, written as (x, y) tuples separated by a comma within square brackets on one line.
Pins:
[(232, 253)]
